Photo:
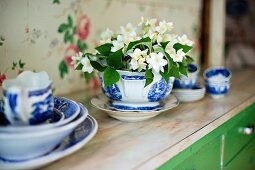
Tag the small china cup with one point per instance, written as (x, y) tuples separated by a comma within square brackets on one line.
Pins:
[(28, 98), (188, 82), (217, 81)]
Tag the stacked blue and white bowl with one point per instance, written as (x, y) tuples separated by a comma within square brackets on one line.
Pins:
[(187, 88), (217, 81), (37, 128)]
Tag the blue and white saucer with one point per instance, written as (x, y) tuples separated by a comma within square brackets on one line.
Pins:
[(101, 102), (69, 108), (82, 134)]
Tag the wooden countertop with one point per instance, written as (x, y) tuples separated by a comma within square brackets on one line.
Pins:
[(148, 144)]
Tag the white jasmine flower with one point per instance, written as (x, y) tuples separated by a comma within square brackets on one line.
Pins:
[(164, 26), (176, 56), (137, 54), (76, 59), (156, 62), (172, 38), (167, 37), (146, 22), (170, 26), (106, 36), (138, 59), (130, 38), (148, 27), (137, 64), (128, 29), (86, 65), (184, 40), (117, 44)]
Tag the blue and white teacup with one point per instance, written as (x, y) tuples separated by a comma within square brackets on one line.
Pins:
[(187, 82), (217, 81), (28, 98)]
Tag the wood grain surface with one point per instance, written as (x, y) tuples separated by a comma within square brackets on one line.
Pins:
[(148, 144)]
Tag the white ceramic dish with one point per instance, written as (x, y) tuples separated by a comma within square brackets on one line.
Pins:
[(68, 107), (189, 95), (103, 103), (81, 135), (32, 144)]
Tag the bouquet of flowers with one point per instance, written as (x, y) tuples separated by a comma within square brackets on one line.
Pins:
[(149, 47)]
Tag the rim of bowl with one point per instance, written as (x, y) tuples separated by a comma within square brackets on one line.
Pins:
[(194, 73), (217, 67), (121, 72), (188, 90), (31, 134)]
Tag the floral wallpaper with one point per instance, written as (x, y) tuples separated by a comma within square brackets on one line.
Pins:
[(43, 35)]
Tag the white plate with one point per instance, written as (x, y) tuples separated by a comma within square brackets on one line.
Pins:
[(83, 133), (101, 102)]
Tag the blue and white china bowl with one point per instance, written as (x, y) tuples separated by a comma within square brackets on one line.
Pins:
[(66, 107), (187, 82), (81, 135), (103, 103), (221, 72), (129, 93), (32, 144), (28, 98), (217, 90), (217, 81), (190, 95)]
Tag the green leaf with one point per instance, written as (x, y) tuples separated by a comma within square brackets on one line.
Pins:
[(74, 30), (21, 64), (164, 44), (183, 69), (97, 66), (175, 71), (63, 69), (82, 46), (62, 28), (79, 67), (165, 74), (67, 37), (14, 64), (185, 48), (149, 77), (104, 49), (169, 59), (189, 59), (1, 43), (87, 76), (70, 21), (56, 2), (111, 76), (144, 41), (115, 59)]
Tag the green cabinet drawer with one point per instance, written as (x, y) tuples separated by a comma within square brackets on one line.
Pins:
[(245, 160), (207, 157), (235, 137)]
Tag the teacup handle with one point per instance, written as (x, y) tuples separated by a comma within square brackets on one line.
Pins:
[(14, 107)]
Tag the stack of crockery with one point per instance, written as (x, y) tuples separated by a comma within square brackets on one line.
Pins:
[(187, 88), (37, 128), (217, 81)]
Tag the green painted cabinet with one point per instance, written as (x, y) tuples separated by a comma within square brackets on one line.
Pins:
[(231, 146), (245, 160), (206, 156)]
